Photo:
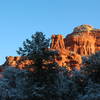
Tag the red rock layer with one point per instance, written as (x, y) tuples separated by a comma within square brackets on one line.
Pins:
[(83, 43), (19, 62), (65, 58), (68, 59), (57, 42), (96, 33)]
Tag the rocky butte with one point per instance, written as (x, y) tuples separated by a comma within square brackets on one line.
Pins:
[(83, 41)]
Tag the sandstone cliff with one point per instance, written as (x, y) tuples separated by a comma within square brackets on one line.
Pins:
[(83, 41), (96, 33), (65, 58), (17, 61), (57, 42)]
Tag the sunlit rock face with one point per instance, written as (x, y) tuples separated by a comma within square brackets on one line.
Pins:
[(57, 42), (65, 57), (96, 33), (19, 62), (83, 28), (83, 41), (68, 59)]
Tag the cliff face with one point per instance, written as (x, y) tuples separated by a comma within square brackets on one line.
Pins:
[(83, 41), (57, 42), (65, 58), (19, 62), (70, 60), (96, 33)]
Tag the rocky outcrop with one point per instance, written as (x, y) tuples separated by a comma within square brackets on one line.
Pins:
[(57, 42), (65, 58), (68, 59), (19, 62), (83, 41), (96, 33)]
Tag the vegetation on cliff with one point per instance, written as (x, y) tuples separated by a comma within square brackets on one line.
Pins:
[(83, 28), (48, 80)]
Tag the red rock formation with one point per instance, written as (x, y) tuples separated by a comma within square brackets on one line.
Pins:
[(96, 33), (19, 62), (68, 59), (57, 42), (83, 41), (65, 57)]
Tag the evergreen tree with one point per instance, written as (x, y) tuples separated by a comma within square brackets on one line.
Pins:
[(46, 68), (36, 49)]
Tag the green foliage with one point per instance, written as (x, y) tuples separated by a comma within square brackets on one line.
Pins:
[(83, 28), (34, 48), (37, 50)]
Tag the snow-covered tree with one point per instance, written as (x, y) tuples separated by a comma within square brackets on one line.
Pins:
[(92, 69), (80, 81), (64, 87), (92, 92), (15, 85)]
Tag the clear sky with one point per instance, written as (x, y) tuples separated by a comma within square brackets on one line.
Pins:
[(19, 19)]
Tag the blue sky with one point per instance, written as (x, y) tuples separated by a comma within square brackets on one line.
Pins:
[(19, 19)]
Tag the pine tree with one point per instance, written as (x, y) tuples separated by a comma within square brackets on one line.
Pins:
[(36, 49), (43, 78)]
